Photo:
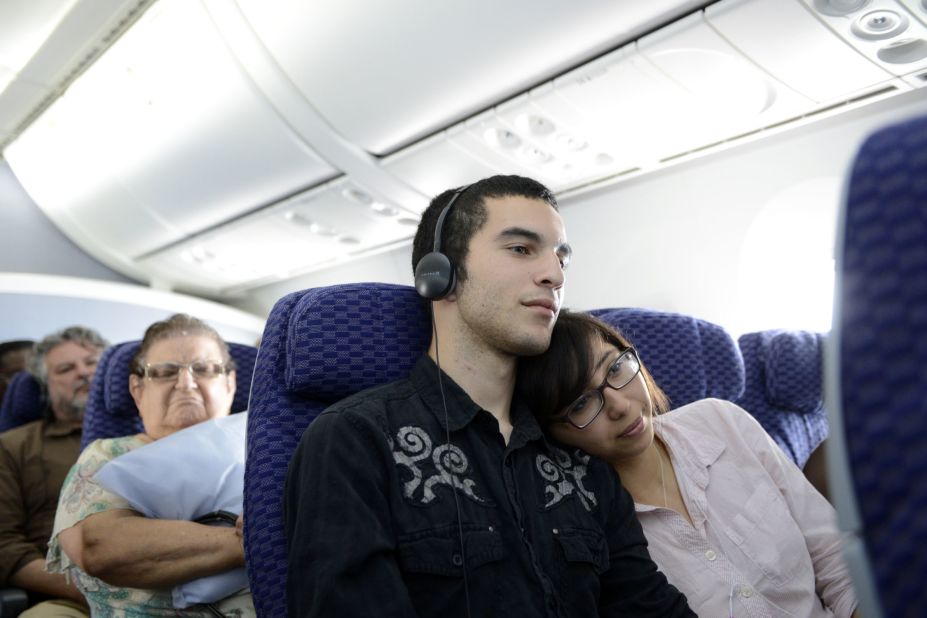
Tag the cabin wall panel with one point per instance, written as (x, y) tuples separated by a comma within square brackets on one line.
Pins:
[(31, 243)]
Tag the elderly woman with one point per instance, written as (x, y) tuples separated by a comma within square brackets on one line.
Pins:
[(124, 563), (729, 519)]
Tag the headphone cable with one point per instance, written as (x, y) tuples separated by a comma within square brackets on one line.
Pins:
[(447, 430)]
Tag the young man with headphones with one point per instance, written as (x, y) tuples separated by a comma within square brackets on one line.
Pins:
[(450, 501)]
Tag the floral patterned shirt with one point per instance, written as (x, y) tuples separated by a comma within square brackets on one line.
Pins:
[(81, 497)]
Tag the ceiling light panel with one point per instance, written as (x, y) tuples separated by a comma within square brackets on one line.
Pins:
[(779, 36), (677, 90), (892, 34), (437, 62), (726, 93), (333, 223), (164, 127)]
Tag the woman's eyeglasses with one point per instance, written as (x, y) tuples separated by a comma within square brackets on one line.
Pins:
[(587, 406), (200, 370)]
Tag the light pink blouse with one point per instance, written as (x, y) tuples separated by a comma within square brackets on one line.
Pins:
[(763, 538)]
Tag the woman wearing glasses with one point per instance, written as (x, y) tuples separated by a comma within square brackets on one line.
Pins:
[(729, 519), (124, 563)]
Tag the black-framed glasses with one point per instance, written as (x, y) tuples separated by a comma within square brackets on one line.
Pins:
[(587, 406), (200, 370)]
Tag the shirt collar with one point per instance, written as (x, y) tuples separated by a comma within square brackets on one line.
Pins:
[(461, 409), (57, 429), (696, 448)]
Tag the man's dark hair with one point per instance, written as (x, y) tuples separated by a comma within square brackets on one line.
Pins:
[(468, 215), (15, 346)]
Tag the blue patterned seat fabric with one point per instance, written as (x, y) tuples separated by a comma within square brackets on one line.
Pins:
[(22, 401), (784, 388), (689, 358), (111, 411), (319, 346), (881, 344)]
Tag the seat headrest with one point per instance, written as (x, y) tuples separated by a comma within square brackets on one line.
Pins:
[(793, 370), (22, 401), (689, 358), (347, 338), (117, 401)]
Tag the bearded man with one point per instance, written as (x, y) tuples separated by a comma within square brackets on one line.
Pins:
[(34, 460)]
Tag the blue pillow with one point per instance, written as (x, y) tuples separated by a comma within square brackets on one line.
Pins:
[(186, 475)]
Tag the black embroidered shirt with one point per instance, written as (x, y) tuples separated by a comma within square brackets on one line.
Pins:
[(373, 529)]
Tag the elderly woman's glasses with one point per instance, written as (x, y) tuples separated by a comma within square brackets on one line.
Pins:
[(587, 406), (201, 370)]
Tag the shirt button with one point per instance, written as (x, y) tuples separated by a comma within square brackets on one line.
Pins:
[(556, 531), (711, 555), (746, 592), (457, 559)]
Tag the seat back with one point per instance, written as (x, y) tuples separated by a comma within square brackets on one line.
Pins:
[(23, 401), (319, 346), (876, 371), (784, 388), (689, 358), (111, 411)]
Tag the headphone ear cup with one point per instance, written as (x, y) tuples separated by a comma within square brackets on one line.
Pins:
[(434, 276)]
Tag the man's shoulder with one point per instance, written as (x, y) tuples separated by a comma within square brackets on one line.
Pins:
[(377, 399), (18, 437)]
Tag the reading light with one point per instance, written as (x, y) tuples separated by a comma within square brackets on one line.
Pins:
[(535, 155), (882, 24), (573, 144), (322, 229), (502, 138), (839, 8), (534, 124), (383, 209), (357, 196)]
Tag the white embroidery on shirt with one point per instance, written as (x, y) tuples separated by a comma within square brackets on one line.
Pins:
[(414, 446), (564, 476)]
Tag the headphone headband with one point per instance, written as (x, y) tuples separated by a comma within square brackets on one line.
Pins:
[(439, 226)]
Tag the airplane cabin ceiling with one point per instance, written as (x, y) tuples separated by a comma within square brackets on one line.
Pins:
[(213, 146), (387, 73)]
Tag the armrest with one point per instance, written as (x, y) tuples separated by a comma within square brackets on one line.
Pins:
[(13, 602)]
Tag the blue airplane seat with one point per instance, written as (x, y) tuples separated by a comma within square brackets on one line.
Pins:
[(784, 388), (23, 401), (689, 358), (111, 411), (876, 372), (319, 346)]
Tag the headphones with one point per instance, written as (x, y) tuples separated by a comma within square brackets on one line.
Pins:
[(435, 276)]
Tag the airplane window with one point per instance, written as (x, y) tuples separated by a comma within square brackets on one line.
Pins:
[(787, 260)]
